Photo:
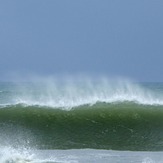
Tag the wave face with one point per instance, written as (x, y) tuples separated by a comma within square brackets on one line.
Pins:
[(101, 115)]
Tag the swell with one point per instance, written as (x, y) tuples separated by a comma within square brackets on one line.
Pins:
[(118, 126)]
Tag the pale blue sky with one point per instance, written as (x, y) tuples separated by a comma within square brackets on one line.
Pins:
[(108, 37)]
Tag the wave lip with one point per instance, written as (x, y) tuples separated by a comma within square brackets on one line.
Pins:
[(77, 99), (69, 103), (71, 94)]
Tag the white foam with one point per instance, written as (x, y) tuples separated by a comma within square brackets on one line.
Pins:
[(11, 155), (70, 94)]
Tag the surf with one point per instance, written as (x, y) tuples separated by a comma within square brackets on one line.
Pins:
[(103, 114), (72, 93), (126, 126)]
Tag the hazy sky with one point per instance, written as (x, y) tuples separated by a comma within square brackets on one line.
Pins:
[(108, 37)]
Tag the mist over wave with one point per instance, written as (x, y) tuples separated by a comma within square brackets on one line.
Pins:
[(85, 113), (72, 93)]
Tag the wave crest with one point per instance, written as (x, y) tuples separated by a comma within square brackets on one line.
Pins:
[(71, 94)]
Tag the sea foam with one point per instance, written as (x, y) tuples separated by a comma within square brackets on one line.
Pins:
[(69, 93)]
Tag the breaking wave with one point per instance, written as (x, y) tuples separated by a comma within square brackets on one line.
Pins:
[(71, 94), (104, 114)]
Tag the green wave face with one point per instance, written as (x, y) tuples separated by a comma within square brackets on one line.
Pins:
[(105, 114), (122, 126)]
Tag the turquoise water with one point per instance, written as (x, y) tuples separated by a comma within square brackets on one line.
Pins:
[(102, 116)]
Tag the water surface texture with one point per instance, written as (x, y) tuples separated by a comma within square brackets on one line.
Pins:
[(107, 118)]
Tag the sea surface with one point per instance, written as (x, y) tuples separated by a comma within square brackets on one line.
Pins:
[(73, 121)]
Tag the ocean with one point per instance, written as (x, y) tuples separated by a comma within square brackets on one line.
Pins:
[(71, 121)]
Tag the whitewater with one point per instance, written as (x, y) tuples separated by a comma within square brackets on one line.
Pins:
[(82, 120), (72, 93)]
